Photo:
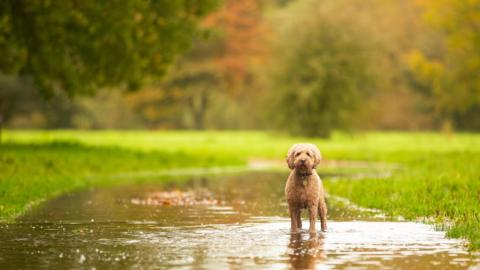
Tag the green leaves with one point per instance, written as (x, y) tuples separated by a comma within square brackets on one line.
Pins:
[(80, 46), (451, 71), (323, 71)]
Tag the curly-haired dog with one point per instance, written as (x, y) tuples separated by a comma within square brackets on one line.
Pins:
[(304, 189)]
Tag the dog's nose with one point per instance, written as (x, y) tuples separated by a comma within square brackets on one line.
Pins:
[(303, 160)]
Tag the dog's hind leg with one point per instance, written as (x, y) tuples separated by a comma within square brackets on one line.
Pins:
[(313, 212), (322, 210)]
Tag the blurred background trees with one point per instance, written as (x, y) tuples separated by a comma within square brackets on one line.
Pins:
[(77, 47), (303, 66), (449, 69), (323, 69)]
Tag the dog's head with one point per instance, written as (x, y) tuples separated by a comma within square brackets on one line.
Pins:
[(304, 157)]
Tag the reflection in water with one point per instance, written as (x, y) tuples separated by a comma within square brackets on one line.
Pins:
[(305, 253), (101, 228)]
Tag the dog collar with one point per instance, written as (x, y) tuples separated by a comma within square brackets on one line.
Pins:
[(304, 175)]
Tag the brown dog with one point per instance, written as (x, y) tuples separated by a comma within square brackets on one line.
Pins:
[(304, 189)]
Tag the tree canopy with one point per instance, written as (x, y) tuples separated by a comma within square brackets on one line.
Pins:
[(305, 66), (449, 71), (81, 46), (322, 71)]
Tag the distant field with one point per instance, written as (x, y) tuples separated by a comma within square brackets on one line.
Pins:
[(250, 143), (439, 179)]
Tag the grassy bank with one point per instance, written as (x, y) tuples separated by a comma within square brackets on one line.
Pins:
[(439, 179), (441, 188), (37, 171)]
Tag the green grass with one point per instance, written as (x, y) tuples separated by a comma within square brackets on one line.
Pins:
[(439, 179), (33, 172)]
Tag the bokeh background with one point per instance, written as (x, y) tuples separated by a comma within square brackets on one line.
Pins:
[(306, 67)]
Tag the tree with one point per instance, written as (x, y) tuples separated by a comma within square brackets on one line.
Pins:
[(15, 91), (182, 99), (81, 46), (240, 57), (215, 75), (243, 42), (449, 71), (78, 47), (179, 102), (322, 70)]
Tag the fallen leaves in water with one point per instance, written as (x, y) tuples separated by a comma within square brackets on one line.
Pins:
[(176, 198)]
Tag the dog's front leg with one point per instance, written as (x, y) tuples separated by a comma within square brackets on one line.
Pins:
[(299, 219), (293, 218), (312, 212)]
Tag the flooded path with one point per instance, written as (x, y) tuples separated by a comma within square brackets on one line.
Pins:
[(243, 224)]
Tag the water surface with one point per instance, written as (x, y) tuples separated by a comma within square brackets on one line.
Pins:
[(246, 227)]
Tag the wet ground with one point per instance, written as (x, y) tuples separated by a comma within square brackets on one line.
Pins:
[(243, 224)]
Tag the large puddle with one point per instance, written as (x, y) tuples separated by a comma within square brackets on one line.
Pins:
[(243, 224)]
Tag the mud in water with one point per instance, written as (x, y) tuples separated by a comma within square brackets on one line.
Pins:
[(245, 225)]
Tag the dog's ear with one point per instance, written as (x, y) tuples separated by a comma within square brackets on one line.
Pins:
[(291, 156), (317, 155)]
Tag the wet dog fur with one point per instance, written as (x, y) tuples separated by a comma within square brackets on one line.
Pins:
[(304, 189)]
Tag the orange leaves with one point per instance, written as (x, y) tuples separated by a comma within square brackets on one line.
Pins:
[(176, 198), (243, 44)]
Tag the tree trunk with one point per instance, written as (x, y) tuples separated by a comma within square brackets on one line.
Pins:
[(1, 127), (199, 108), (1, 119)]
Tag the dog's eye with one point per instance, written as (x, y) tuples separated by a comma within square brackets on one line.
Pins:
[(297, 154), (308, 153)]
